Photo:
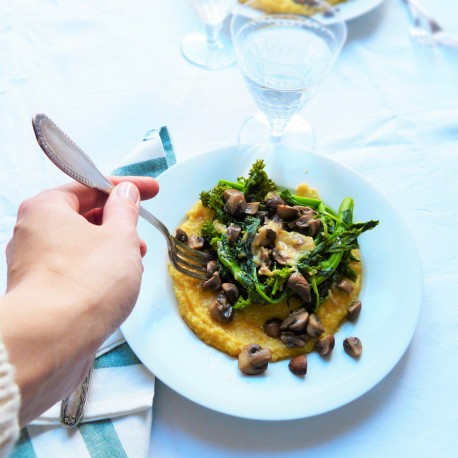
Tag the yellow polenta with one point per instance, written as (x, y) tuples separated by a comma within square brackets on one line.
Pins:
[(247, 325), (287, 6)]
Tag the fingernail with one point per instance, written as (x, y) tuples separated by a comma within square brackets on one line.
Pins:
[(129, 191)]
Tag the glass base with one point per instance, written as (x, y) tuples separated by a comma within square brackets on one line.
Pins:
[(196, 48), (298, 132)]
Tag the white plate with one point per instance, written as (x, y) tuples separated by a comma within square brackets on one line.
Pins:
[(391, 295), (346, 11)]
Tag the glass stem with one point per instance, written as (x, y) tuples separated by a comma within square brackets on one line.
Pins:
[(212, 31), (277, 127)]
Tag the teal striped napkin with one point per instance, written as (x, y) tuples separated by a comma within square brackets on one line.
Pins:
[(118, 416)]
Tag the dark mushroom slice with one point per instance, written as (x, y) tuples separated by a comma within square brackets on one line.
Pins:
[(232, 292), (353, 347), (233, 233), (345, 286), (301, 210), (181, 235), (354, 310), (211, 267), (300, 285), (196, 242), (314, 227), (272, 203), (292, 340), (220, 309), (298, 365), (265, 236), (286, 212), (235, 202), (253, 359), (325, 345), (251, 208), (296, 321), (213, 283), (314, 326), (272, 327)]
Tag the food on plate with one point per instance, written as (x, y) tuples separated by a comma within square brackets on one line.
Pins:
[(353, 346), (286, 273), (306, 7)]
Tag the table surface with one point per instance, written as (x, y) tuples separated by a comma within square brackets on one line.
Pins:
[(108, 71)]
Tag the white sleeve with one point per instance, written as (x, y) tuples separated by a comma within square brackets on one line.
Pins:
[(9, 404)]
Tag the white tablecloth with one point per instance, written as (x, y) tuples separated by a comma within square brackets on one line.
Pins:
[(109, 70)]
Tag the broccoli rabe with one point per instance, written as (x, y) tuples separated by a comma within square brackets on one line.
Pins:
[(329, 259)]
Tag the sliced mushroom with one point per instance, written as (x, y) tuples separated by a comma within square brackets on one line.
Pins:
[(220, 309), (211, 267), (286, 212), (296, 321), (291, 339), (298, 365), (235, 202), (213, 283), (232, 292), (181, 235), (345, 286), (196, 242), (253, 359), (273, 202), (353, 347), (314, 227), (354, 310), (252, 208), (265, 236), (325, 345), (272, 327), (302, 210), (300, 285), (233, 233), (314, 326)]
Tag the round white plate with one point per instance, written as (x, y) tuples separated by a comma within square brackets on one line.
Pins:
[(346, 11), (391, 295)]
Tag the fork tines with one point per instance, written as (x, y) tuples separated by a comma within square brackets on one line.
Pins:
[(190, 261)]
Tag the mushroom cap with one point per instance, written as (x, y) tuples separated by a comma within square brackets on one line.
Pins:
[(300, 285), (253, 359), (220, 309), (235, 202), (353, 347), (298, 365)]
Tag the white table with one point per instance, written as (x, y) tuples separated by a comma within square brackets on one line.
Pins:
[(107, 71)]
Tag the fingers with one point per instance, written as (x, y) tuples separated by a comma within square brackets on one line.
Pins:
[(121, 207), (83, 199)]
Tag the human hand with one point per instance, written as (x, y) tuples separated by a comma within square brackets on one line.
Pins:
[(74, 273)]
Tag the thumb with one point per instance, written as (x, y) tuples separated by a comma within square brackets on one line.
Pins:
[(122, 205)]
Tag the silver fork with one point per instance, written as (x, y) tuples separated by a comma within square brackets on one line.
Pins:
[(418, 32), (71, 159), (435, 31)]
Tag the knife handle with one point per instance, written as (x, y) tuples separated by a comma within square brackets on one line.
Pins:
[(72, 407)]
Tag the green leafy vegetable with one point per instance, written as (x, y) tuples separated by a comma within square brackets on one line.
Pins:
[(330, 259)]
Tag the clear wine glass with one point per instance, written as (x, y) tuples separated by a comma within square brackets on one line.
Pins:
[(208, 47), (284, 59)]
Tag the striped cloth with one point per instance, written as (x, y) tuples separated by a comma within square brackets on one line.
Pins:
[(118, 414)]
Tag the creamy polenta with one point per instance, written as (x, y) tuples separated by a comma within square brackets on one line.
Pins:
[(247, 324)]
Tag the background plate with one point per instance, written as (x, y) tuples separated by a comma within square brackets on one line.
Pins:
[(391, 295), (348, 10)]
